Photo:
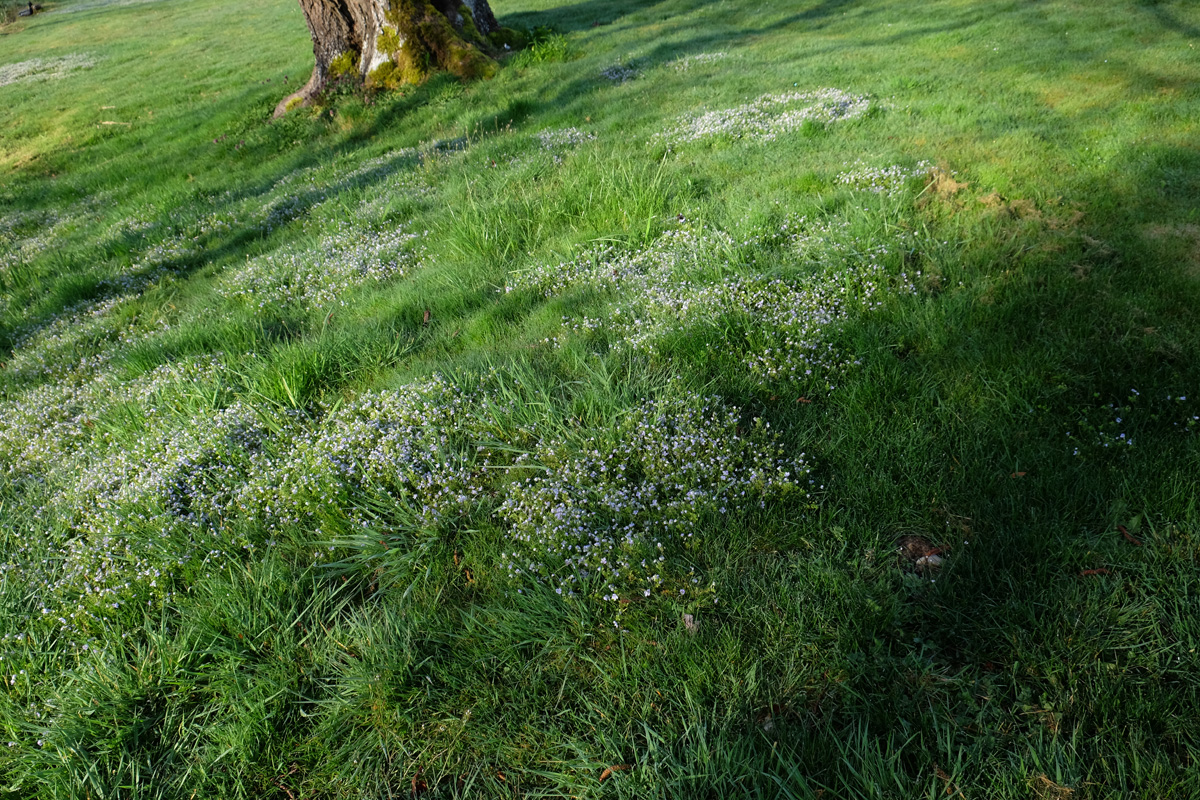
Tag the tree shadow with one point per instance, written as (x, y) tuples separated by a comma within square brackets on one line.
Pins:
[(1055, 617), (1170, 20)]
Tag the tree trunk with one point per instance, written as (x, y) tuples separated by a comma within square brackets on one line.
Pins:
[(388, 43)]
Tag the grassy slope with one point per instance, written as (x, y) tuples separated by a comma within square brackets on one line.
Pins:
[(1062, 277)]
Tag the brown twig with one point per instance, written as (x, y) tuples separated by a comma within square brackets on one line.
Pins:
[(614, 768), (951, 789), (279, 781), (1128, 537)]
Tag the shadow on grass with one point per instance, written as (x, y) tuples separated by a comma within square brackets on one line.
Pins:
[(1056, 619)]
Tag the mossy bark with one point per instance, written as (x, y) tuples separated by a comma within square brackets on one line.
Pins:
[(389, 43)]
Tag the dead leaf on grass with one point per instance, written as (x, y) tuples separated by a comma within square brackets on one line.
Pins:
[(614, 768), (952, 789), (766, 718), (942, 183), (1049, 790), (1185, 236), (911, 547), (1071, 220), (1020, 208)]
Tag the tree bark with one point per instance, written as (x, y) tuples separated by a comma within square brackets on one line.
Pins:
[(388, 43)]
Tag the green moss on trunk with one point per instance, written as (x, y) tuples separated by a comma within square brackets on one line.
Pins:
[(344, 65), (424, 40), (450, 49), (513, 39)]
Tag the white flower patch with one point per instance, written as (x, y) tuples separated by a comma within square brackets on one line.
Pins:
[(392, 175), (678, 255), (305, 190), (408, 446), (172, 490), (139, 225), (677, 285), (341, 261), (91, 5), (78, 340), (283, 207), (43, 427), (120, 522), (771, 116), (1108, 429), (185, 473), (44, 69), (24, 235), (561, 138), (13, 226), (786, 326), (41, 230), (606, 513), (174, 253), (783, 325), (201, 374), (169, 245), (685, 63), (882, 180), (409, 186), (621, 72), (381, 167)]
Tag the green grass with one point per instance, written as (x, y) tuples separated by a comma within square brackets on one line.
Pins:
[(304, 424)]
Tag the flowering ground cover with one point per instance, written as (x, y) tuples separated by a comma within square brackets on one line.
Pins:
[(37, 69), (762, 400)]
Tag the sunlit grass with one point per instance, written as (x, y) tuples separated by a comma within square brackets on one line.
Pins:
[(579, 432)]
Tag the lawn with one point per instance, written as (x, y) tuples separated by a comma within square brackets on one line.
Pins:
[(725, 400)]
